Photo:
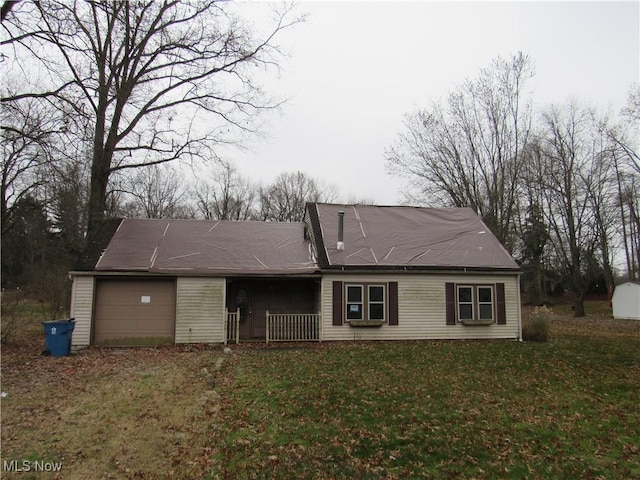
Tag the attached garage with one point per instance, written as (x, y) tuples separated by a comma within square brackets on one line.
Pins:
[(134, 312), (144, 282)]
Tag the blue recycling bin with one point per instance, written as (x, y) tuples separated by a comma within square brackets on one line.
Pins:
[(58, 337)]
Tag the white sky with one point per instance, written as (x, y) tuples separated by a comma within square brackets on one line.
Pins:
[(357, 67)]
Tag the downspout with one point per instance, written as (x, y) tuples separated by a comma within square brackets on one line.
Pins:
[(519, 309)]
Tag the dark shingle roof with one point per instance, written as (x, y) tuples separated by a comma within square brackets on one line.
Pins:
[(375, 238), (97, 244), (208, 247), (406, 238)]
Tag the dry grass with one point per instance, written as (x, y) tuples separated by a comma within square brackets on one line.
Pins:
[(103, 413), (598, 322), (566, 408)]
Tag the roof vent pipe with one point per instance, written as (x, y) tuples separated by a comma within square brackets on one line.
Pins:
[(340, 245)]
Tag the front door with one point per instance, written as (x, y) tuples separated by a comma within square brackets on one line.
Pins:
[(243, 307), (251, 304)]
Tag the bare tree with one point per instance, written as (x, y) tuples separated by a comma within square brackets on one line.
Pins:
[(6, 7), (27, 134), (565, 174), (601, 190), (629, 211), (158, 81), (353, 200), (534, 237), (625, 136), (468, 152), (226, 195), (286, 198), (625, 165), (43, 189), (156, 191), (533, 248)]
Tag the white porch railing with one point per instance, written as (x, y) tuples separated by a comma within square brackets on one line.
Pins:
[(232, 327), (293, 327)]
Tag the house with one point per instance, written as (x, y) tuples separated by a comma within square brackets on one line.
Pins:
[(626, 301), (347, 272)]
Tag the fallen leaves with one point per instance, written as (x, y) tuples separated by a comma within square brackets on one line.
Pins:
[(105, 413), (436, 409)]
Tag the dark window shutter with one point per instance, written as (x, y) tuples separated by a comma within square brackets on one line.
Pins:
[(338, 307), (501, 311), (450, 300), (393, 303)]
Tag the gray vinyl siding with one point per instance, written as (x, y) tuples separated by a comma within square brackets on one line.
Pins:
[(200, 310), (421, 308), (81, 309)]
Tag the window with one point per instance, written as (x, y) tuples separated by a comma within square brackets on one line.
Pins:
[(475, 303), (376, 302), (485, 303), (366, 302), (354, 302), (465, 303)]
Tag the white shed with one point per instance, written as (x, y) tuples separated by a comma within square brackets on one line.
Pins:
[(626, 301)]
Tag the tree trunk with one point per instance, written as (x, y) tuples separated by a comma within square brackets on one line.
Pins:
[(97, 193), (539, 293), (577, 284), (579, 303), (606, 265)]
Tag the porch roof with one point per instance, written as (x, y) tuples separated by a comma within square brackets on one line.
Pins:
[(208, 247)]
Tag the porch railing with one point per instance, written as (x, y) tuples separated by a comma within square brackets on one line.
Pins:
[(232, 327), (293, 327)]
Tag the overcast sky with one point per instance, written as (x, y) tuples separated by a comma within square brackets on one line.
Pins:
[(357, 67)]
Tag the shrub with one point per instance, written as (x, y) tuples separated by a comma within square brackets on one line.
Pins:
[(536, 329)]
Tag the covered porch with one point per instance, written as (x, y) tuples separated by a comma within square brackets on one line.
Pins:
[(272, 309)]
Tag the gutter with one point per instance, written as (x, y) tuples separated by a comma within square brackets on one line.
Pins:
[(418, 269)]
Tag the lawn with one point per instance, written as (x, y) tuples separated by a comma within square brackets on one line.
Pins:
[(567, 408)]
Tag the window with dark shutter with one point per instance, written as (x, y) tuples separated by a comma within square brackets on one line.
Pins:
[(450, 300), (501, 310), (365, 304), (337, 303), (470, 304), (393, 303)]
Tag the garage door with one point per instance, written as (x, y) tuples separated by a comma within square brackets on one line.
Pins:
[(134, 312)]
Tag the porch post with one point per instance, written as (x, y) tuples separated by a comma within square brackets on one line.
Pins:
[(237, 322), (225, 327), (267, 325)]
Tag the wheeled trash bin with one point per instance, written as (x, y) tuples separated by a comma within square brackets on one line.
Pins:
[(58, 337)]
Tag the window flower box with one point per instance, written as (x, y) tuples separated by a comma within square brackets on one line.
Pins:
[(366, 323), (477, 322)]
